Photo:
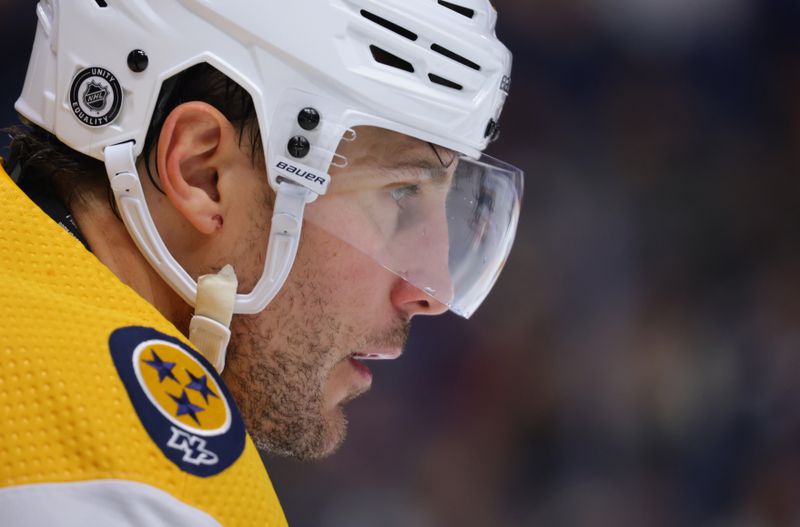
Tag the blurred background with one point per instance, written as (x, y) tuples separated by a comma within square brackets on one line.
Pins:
[(639, 361)]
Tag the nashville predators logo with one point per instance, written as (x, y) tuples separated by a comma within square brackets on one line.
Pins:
[(180, 400), (181, 388), (193, 448)]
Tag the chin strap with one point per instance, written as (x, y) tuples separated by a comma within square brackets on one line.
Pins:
[(284, 239)]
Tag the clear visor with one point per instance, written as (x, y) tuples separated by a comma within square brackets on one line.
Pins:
[(442, 221)]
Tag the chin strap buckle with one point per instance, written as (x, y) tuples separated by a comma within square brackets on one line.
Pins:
[(209, 329)]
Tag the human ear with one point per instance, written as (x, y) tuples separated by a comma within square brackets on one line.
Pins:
[(195, 144)]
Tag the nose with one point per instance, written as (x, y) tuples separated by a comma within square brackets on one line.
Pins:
[(413, 301), (429, 269)]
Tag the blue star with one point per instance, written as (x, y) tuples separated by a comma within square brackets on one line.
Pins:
[(200, 384), (185, 406), (164, 369)]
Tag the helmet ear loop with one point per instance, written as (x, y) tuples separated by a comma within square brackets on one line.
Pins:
[(338, 160), (349, 135)]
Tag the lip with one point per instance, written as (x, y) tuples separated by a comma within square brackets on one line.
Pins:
[(361, 368)]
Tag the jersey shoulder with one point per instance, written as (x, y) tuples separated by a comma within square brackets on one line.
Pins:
[(98, 386)]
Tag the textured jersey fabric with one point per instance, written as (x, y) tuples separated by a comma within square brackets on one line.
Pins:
[(71, 411)]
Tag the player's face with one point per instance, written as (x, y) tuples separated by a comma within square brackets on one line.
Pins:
[(292, 367)]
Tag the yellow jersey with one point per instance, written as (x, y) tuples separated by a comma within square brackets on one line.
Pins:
[(108, 417)]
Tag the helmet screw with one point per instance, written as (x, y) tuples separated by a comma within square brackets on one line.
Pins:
[(138, 61), (299, 146), (308, 119)]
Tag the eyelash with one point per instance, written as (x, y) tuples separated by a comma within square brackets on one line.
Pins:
[(399, 194)]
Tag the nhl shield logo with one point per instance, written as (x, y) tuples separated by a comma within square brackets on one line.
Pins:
[(180, 400), (96, 97)]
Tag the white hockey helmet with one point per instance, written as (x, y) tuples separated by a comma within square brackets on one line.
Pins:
[(317, 70)]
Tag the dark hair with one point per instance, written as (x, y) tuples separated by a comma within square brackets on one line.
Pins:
[(41, 159)]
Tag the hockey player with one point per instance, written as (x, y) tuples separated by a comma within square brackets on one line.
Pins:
[(162, 315)]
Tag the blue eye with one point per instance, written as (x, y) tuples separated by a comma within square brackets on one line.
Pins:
[(401, 194)]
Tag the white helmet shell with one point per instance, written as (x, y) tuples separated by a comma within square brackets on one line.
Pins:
[(433, 68)]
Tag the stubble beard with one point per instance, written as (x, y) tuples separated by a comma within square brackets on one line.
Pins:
[(277, 376), (278, 387), (276, 372)]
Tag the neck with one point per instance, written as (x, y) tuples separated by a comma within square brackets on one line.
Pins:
[(112, 245)]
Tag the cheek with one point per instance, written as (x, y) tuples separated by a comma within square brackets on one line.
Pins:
[(246, 237), (354, 281)]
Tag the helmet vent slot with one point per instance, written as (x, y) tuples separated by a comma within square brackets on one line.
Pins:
[(101, 3), (391, 26), (384, 57), (444, 82), (460, 9), (455, 56)]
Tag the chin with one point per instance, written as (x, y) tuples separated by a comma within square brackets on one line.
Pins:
[(314, 439), (333, 435)]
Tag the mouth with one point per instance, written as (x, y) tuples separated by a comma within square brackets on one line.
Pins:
[(360, 367), (357, 360), (387, 354)]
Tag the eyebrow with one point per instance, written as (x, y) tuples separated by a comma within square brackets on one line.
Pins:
[(439, 175)]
